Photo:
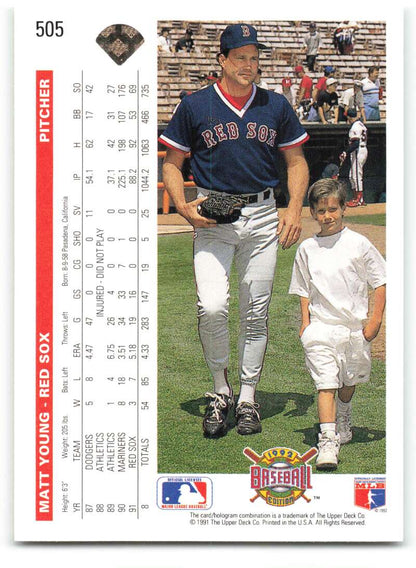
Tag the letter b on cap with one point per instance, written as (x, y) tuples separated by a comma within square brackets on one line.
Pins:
[(246, 31)]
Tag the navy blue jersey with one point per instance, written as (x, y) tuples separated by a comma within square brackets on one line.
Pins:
[(234, 150)]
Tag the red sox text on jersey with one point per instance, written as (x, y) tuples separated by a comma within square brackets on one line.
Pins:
[(234, 149), (230, 131)]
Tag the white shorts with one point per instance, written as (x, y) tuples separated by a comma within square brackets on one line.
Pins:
[(335, 355)]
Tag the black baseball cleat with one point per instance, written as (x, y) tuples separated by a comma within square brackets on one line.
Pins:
[(215, 420), (248, 418)]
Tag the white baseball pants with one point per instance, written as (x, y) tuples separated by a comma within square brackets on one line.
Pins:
[(358, 159), (252, 242)]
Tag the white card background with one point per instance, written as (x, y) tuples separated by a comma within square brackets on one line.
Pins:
[(155, 521)]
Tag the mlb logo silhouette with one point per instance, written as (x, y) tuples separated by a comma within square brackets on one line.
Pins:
[(370, 493), (184, 493)]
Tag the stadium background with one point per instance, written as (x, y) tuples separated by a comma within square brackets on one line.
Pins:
[(181, 71)]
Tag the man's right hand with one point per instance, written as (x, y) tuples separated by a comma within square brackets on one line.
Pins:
[(189, 211)]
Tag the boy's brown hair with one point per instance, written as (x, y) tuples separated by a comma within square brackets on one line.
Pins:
[(323, 188)]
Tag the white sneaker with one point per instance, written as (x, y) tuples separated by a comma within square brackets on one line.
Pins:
[(328, 449), (344, 424)]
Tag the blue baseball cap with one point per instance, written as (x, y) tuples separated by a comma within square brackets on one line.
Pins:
[(238, 35), (329, 69)]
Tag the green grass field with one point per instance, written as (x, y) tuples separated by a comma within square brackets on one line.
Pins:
[(375, 219), (286, 392)]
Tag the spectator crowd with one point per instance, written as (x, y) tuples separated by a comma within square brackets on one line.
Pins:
[(326, 101)]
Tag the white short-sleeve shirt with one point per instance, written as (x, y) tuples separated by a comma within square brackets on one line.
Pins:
[(334, 273)]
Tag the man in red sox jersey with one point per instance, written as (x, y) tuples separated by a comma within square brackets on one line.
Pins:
[(357, 150), (234, 130)]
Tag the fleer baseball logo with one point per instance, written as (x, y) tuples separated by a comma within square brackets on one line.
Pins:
[(280, 476), (246, 31)]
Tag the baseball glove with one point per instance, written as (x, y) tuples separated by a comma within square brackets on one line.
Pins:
[(222, 208)]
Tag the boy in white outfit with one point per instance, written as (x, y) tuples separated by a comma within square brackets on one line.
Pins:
[(331, 274)]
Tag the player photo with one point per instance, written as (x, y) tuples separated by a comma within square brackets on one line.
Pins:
[(236, 163)]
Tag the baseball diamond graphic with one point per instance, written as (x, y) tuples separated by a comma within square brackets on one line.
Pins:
[(120, 42)]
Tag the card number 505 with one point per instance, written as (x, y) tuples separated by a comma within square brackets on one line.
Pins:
[(49, 28)]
